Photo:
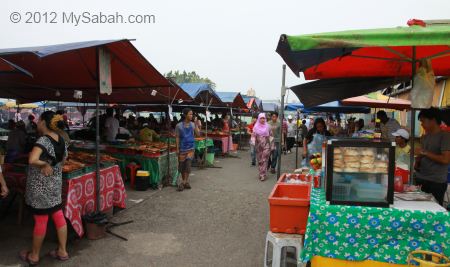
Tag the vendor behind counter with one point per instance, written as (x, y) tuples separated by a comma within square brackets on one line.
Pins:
[(148, 135), (433, 157)]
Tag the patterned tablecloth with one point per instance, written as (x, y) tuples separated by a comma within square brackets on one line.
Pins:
[(80, 196), (365, 233)]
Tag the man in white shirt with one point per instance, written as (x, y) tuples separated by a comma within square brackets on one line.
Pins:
[(291, 134), (111, 126)]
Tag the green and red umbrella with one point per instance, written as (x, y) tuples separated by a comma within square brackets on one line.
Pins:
[(368, 53)]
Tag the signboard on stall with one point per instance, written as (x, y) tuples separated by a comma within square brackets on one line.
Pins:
[(104, 61)]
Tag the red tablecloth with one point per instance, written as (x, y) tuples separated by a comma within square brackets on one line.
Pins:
[(81, 196)]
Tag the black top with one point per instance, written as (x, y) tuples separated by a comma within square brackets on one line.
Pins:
[(59, 148)]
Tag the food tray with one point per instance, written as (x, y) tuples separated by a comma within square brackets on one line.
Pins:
[(151, 154), (370, 191), (73, 174), (106, 164), (341, 191), (90, 168)]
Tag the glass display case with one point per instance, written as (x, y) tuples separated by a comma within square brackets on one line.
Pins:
[(360, 172)]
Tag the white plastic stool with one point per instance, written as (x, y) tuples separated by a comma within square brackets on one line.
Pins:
[(283, 250)]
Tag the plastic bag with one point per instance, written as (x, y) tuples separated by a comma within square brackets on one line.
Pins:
[(424, 82), (252, 140)]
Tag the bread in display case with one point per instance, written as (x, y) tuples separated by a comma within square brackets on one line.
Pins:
[(360, 172)]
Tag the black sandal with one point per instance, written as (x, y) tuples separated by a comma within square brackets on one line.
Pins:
[(187, 186), (180, 188), (54, 254)]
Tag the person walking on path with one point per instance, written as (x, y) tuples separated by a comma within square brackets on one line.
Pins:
[(44, 187), (291, 134), (252, 146), (277, 138), (262, 138), (185, 133)]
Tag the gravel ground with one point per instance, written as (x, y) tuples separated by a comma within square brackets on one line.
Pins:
[(221, 221)]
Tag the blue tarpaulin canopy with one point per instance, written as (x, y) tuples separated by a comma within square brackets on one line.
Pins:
[(232, 98), (202, 93), (331, 107)]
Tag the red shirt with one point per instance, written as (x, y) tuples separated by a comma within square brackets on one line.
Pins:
[(250, 127)]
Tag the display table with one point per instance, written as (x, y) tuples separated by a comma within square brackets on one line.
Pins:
[(356, 233), (157, 166), (80, 195), (201, 144), (224, 139)]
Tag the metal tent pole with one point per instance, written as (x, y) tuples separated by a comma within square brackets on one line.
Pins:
[(240, 130), (283, 93), (97, 134), (296, 140), (413, 119), (230, 127), (168, 120)]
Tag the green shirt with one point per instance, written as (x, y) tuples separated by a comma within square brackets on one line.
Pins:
[(275, 127)]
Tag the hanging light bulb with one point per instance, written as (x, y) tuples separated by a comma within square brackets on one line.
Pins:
[(57, 93), (154, 92), (180, 101)]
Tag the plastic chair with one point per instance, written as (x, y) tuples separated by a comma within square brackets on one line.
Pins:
[(131, 172), (283, 250)]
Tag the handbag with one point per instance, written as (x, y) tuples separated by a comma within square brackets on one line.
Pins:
[(252, 140)]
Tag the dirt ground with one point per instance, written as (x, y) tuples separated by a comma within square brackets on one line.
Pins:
[(221, 221)]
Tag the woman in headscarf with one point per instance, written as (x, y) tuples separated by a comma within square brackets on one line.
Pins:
[(262, 138)]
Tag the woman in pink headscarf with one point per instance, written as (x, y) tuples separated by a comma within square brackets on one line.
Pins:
[(262, 138)]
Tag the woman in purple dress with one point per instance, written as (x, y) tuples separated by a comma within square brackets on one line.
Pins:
[(262, 138)]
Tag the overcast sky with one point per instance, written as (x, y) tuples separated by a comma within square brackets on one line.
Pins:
[(231, 42)]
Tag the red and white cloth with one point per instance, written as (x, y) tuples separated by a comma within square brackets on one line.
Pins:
[(81, 195)]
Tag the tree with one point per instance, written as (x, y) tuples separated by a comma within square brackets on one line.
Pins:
[(188, 77)]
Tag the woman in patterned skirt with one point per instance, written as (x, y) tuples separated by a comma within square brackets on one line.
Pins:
[(44, 185), (262, 138)]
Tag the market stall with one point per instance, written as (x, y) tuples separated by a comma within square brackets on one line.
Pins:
[(358, 233), (358, 175), (151, 156), (93, 72)]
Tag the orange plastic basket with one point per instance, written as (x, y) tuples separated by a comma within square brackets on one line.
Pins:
[(289, 208)]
